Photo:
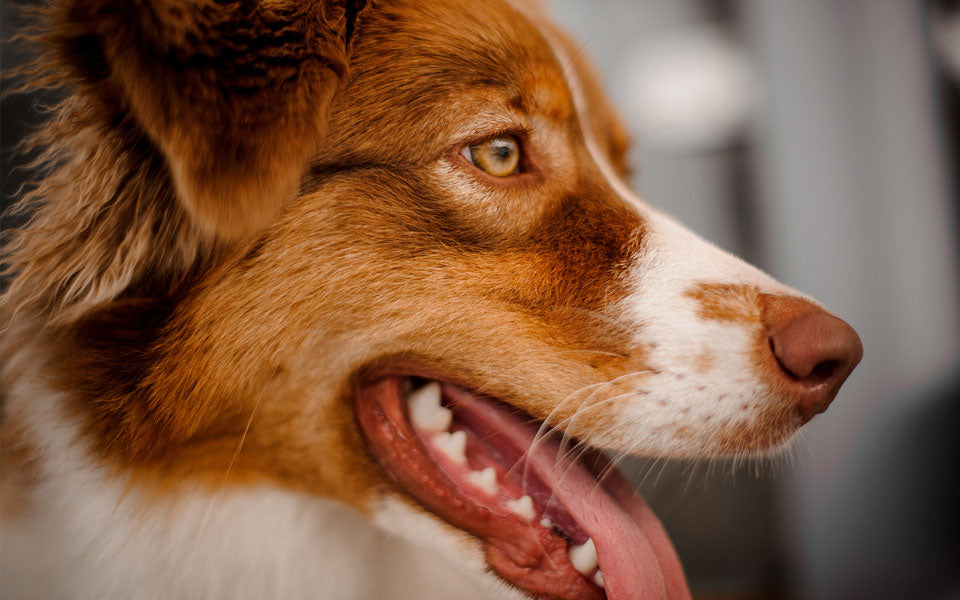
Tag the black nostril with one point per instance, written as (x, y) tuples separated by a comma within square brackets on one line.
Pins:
[(822, 372)]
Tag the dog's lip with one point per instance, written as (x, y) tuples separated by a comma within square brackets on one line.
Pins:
[(636, 556)]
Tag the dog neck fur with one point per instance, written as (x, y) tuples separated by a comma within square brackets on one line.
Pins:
[(88, 535)]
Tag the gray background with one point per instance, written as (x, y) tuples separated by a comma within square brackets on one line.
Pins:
[(841, 182)]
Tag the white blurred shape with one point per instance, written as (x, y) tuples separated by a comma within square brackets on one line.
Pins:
[(688, 90), (947, 36)]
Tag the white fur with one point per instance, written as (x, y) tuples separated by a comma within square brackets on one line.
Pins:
[(87, 537), (676, 394), (462, 551), (668, 324)]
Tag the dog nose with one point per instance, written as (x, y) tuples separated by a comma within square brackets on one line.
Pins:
[(816, 352)]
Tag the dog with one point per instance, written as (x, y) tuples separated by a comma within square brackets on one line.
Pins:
[(347, 300)]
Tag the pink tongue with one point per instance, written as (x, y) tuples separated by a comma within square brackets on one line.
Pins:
[(636, 557)]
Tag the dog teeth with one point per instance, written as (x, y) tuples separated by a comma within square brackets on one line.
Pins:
[(546, 523), (522, 506), (598, 578), (425, 409), (583, 557), (452, 445), (485, 480)]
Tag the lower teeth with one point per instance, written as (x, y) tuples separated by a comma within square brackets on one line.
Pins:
[(522, 506), (583, 557), (430, 416)]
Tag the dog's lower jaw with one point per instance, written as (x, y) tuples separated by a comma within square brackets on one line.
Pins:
[(455, 554)]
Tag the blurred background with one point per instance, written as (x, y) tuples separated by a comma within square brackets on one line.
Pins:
[(818, 139)]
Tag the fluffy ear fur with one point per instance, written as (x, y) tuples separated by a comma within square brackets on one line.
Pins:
[(234, 94)]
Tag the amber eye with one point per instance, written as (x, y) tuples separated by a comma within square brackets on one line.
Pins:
[(499, 156)]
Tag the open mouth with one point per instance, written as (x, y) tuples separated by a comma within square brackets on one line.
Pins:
[(554, 522)]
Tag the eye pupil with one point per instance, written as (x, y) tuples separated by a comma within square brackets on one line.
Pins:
[(499, 156)]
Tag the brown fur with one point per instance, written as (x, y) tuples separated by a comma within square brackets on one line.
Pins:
[(235, 96), (19, 470), (191, 350)]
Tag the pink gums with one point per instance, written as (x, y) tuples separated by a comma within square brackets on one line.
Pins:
[(635, 555)]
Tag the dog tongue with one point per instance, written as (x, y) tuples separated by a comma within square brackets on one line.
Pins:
[(635, 555)]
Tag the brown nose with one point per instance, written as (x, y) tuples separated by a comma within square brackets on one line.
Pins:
[(816, 351)]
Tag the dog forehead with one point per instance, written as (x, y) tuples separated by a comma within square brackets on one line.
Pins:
[(490, 43), (422, 69)]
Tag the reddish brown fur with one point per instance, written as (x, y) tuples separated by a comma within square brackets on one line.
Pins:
[(235, 97), (609, 131), (18, 470), (188, 357), (734, 303)]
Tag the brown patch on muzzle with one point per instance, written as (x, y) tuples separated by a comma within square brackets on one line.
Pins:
[(800, 352)]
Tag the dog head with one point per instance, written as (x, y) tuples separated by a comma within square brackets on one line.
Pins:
[(385, 254)]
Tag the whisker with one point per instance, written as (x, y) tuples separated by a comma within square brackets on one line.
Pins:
[(230, 467), (569, 421), (546, 429), (583, 351), (691, 474), (542, 432), (610, 467), (562, 452)]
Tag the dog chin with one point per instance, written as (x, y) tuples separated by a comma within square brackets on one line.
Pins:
[(450, 553)]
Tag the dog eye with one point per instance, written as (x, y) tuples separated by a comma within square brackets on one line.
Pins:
[(499, 156)]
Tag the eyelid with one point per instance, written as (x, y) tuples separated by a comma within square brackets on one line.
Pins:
[(516, 132)]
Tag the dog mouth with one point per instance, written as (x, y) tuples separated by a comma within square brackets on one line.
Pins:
[(554, 522)]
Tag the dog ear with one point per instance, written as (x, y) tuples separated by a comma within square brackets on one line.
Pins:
[(234, 94)]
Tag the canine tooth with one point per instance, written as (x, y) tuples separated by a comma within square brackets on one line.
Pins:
[(522, 506), (425, 409), (546, 523), (485, 480), (583, 557), (453, 445), (598, 578)]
